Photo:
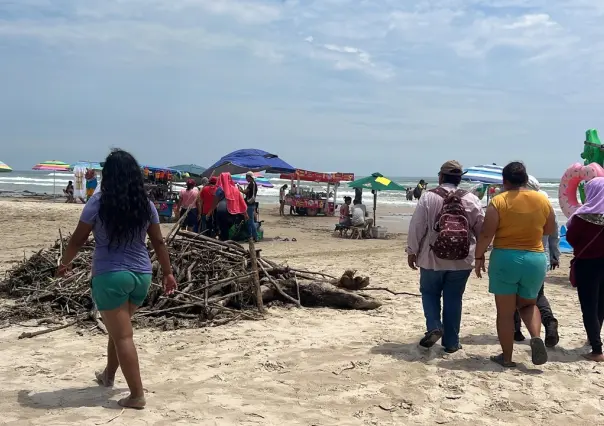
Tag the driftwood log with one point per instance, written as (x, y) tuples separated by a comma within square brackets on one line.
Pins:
[(316, 293), (219, 282)]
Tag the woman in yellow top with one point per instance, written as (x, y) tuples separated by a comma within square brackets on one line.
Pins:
[(518, 218)]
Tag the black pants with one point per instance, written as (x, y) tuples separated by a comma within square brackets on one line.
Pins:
[(589, 274), (544, 308)]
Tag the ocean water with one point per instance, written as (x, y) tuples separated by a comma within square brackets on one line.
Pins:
[(20, 183)]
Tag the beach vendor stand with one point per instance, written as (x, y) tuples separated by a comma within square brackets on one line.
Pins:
[(310, 203), (158, 185)]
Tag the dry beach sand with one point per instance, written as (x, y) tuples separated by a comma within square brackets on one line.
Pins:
[(291, 369)]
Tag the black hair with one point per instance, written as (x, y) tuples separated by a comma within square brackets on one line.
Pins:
[(70, 183), (284, 186), (347, 198), (515, 174), (451, 179), (357, 201), (124, 208), (422, 181)]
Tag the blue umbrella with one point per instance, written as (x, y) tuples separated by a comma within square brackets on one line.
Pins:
[(246, 160), (488, 173), (86, 164)]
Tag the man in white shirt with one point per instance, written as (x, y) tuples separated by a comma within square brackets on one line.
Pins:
[(359, 214)]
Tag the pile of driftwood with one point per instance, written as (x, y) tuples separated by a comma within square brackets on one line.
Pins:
[(218, 282)]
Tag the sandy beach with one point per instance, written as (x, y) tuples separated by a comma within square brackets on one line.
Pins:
[(300, 366)]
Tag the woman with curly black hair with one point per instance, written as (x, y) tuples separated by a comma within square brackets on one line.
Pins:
[(121, 216)]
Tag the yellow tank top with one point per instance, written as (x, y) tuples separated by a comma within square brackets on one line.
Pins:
[(522, 216)]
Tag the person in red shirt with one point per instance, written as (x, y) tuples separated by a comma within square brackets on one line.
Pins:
[(207, 199), (585, 234)]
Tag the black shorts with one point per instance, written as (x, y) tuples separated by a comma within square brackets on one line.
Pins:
[(282, 202)]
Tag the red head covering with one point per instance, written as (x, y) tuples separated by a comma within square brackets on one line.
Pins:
[(190, 183), (235, 202), (213, 180)]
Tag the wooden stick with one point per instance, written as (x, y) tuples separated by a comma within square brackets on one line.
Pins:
[(280, 290), (403, 293), (297, 289), (256, 277), (48, 330)]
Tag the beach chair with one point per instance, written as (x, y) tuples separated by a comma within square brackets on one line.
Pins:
[(357, 232), (342, 229)]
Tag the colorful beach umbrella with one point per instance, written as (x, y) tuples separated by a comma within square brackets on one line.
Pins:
[(52, 166), (260, 180), (376, 182), (4, 167)]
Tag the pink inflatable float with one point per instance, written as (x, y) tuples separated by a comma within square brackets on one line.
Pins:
[(574, 175)]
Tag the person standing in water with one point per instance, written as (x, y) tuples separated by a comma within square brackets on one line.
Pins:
[(121, 216), (585, 234)]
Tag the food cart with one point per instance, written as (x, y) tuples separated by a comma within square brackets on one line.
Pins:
[(307, 201), (158, 185)]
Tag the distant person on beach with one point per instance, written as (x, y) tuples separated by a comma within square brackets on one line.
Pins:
[(551, 247), (229, 207), (419, 189), (409, 194), (251, 193), (359, 214), (282, 193), (293, 192), (68, 191), (444, 272), (585, 234), (91, 183), (345, 212), (518, 218), (207, 199), (120, 217), (188, 199)]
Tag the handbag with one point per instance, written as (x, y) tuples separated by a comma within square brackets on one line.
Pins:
[(572, 275)]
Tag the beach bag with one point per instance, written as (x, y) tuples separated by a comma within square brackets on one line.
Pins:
[(571, 276), (452, 226)]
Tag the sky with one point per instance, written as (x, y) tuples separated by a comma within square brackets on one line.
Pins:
[(359, 86)]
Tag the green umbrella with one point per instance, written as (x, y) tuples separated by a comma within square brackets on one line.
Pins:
[(376, 182)]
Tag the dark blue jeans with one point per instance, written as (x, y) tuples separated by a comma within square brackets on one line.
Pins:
[(251, 222), (450, 286)]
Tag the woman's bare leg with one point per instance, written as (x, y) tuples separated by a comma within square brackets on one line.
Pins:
[(506, 306), (119, 327), (107, 376), (530, 315)]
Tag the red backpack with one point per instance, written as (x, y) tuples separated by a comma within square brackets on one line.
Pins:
[(453, 240)]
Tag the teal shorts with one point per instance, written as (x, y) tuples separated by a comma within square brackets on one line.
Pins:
[(113, 289), (516, 272)]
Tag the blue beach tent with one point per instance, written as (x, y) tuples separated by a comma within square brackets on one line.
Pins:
[(245, 160)]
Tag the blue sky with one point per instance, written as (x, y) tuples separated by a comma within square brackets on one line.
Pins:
[(330, 85)]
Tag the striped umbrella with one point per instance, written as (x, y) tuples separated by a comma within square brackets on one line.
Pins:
[(488, 173), (4, 167), (52, 166), (260, 180)]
